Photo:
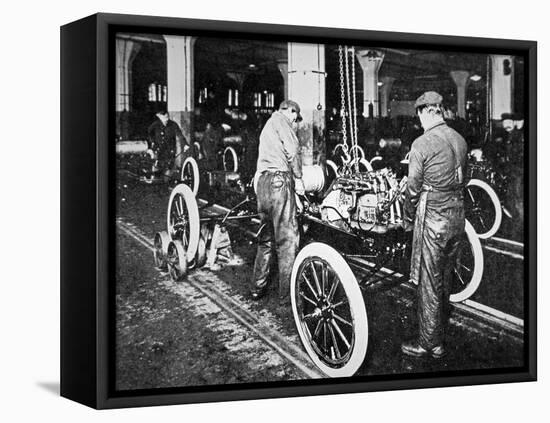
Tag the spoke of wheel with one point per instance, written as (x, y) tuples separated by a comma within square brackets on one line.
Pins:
[(317, 328), (341, 319), (333, 289), (459, 277), (304, 277), (184, 238), (482, 221), (324, 336), (465, 267), (471, 196), (324, 279), (178, 211), (340, 303), (309, 300), (181, 205), (306, 328), (339, 332), (315, 277), (335, 343)]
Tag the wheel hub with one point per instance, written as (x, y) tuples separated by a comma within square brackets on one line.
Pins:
[(324, 309)]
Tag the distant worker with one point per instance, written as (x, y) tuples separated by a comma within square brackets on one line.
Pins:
[(212, 112), (279, 173), (166, 144), (434, 201)]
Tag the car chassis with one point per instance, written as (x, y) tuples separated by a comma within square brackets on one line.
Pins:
[(362, 208)]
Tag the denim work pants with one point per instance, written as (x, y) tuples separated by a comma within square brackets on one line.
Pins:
[(277, 209), (441, 237)]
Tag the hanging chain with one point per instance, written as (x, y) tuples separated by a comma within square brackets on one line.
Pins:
[(342, 100), (349, 110), (354, 109)]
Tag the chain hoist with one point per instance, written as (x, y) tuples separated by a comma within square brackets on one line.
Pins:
[(354, 109), (344, 142)]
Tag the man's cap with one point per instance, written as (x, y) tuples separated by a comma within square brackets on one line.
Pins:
[(290, 104), (508, 116), (429, 97)]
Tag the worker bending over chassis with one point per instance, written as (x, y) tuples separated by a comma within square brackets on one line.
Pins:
[(435, 200), (279, 173)]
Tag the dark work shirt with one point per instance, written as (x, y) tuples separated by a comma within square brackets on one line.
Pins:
[(164, 139), (434, 164)]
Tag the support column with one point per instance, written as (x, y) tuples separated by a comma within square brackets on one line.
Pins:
[(385, 91), (370, 61), (283, 68), (181, 81), (502, 72), (306, 86), (126, 51), (461, 79)]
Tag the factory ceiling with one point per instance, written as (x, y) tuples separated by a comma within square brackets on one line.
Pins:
[(262, 57)]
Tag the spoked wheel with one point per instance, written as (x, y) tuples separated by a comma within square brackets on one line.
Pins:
[(177, 260), (329, 311), (161, 249), (190, 174), (483, 208), (183, 219), (230, 160), (200, 256), (468, 267)]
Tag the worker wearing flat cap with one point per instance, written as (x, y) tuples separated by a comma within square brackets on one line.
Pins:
[(278, 180), (434, 202)]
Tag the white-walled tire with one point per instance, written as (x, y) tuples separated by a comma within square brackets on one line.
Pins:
[(468, 268), (200, 256), (177, 261), (483, 208), (230, 160), (182, 219), (190, 174), (329, 310)]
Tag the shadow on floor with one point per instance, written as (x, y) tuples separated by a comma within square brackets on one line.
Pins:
[(51, 387)]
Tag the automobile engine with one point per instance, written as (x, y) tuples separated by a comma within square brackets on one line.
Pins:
[(367, 201)]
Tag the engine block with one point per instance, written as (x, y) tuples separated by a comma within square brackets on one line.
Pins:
[(368, 200)]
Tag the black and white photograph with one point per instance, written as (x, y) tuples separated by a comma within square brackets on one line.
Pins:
[(289, 210), (275, 211)]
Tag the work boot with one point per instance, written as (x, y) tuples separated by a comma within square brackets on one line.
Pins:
[(414, 349), (257, 293)]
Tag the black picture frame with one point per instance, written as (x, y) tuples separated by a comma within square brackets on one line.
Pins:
[(87, 223)]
